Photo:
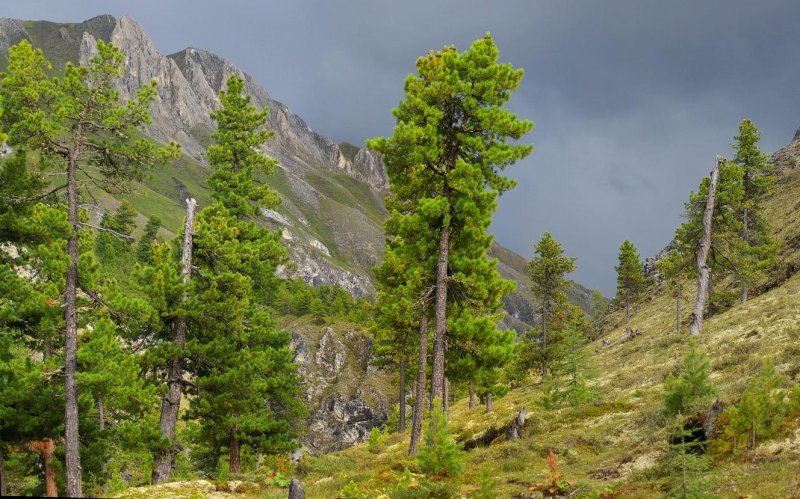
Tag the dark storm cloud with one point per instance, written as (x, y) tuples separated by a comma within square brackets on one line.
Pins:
[(631, 99)]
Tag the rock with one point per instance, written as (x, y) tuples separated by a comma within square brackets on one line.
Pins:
[(330, 354), (649, 270), (711, 424), (296, 490)]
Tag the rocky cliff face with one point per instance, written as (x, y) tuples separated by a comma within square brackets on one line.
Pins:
[(347, 396)]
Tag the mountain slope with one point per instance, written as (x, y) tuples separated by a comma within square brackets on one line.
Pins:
[(620, 442)]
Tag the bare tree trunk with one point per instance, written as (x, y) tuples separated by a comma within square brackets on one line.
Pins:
[(745, 238), (234, 453), (627, 314), (544, 342), (419, 399), (401, 426), (678, 307), (703, 270), (46, 449), (446, 399), (489, 402), (3, 486), (72, 444), (471, 397), (170, 403), (101, 413), (440, 328)]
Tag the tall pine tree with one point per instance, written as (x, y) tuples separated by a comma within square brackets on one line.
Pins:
[(548, 270), (247, 388), (80, 129), (446, 157), (630, 279)]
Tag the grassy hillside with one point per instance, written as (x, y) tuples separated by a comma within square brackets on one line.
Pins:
[(620, 442)]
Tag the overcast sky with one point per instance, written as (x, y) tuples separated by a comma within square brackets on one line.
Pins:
[(631, 99)]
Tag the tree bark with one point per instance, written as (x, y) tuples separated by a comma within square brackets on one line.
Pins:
[(489, 402), (46, 449), (627, 314), (101, 414), (544, 342), (71, 432), (296, 490), (446, 399), (170, 403), (419, 399), (471, 397), (3, 486), (703, 270), (440, 328), (678, 308), (401, 403), (745, 238), (234, 453)]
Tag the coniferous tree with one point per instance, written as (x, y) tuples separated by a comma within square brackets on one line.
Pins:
[(441, 456), (692, 387), (598, 304), (446, 157), (630, 279), (548, 271), (151, 228), (571, 369), (760, 249), (759, 412), (247, 387), (80, 129)]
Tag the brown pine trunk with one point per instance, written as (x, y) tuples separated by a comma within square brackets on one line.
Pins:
[(703, 270), (101, 414), (3, 487), (440, 328), (234, 453), (46, 449), (170, 404), (678, 308), (419, 398), (745, 238), (401, 403), (627, 314), (471, 397), (544, 342), (72, 448), (446, 399), (489, 402)]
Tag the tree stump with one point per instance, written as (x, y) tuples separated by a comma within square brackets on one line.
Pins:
[(296, 490)]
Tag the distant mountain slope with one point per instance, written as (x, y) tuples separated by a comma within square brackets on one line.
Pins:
[(332, 211)]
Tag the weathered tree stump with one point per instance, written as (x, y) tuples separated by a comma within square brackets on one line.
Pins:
[(296, 490), (516, 425)]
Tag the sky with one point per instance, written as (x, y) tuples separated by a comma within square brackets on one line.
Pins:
[(632, 99)]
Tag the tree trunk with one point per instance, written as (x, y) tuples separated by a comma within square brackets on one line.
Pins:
[(703, 270), (170, 403), (471, 397), (401, 425), (544, 342), (46, 449), (419, 399), (489, 402), (234, 453), (446, 399), (440, 328), (72, 444), (101, 414), (296, 490), (745, 238), (3, 487), (627, 314), (678, 308)]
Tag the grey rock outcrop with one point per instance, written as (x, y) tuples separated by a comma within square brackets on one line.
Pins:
[(346, 396)]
